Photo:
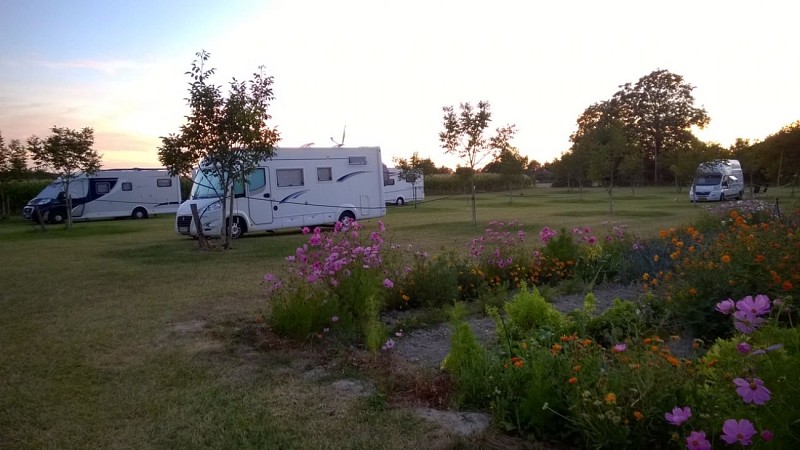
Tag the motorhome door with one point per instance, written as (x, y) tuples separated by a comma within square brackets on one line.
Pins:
[(259, 196)]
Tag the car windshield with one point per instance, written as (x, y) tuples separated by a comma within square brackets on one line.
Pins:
[(707, 179), (209, 186)]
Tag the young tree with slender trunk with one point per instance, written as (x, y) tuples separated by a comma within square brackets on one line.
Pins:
[(225, 136), (463, 135), (68, 153)]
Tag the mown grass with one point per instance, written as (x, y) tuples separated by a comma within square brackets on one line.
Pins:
[(121, 334)]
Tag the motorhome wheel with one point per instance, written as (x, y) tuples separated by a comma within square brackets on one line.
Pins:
[(237, 228), (400, 201), (347, 216), (57, 217), (139, 213)]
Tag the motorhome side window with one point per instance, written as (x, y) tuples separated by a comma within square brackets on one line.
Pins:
[(256, 180), (357, 160), (289, 177), (127, 186), (387, 179), (164, 182), (324, 174), (102, 187)]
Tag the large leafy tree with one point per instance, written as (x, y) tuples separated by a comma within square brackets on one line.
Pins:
[(68, 153), (658, 112), (463, 136), (780, 154), (225, 136)]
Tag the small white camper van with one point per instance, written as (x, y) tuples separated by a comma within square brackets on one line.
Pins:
[(399, 190), (297, 187), (718, 180), (107, 194)]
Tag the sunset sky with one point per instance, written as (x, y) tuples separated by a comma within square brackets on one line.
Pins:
[(385, 69)]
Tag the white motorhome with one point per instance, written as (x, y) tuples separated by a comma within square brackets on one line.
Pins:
[(107, 194), (718, 180), (398, 190), (297, 187)]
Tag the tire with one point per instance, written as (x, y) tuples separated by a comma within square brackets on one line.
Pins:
[(238, 228), (347, 216), (57, 217), (139, 213), (400, 201)]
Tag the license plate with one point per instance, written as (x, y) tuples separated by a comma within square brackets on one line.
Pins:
[(184, 230)]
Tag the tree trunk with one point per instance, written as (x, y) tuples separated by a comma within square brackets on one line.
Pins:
[(202, 240)]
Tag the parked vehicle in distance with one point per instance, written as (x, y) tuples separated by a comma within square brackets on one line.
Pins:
[(108, 194), (717, 180), (399, 190), (297, 187)]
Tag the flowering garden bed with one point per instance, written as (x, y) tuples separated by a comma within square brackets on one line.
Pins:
[(605, 379)]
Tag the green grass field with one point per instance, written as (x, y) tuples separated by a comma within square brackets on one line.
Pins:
[(120, 334)]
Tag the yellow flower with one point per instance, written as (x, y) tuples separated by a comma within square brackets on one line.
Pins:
[(638, 415), (611, 398), (655, 258)]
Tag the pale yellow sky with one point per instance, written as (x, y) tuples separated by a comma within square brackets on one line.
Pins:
[(385, 69)]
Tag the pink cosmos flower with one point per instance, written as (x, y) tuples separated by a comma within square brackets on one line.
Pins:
[(697, 441), (678, 415), (743, 347), (758, 306), (619, 348), (387, 283), (726, 306), (741, 431), (767, 435), (752, 390)]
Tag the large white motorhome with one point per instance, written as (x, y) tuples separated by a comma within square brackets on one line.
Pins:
[(297, 187), (107, 194), (717, 180), (398, 190)]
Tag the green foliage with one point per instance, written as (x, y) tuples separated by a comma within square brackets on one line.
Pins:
[(468, 366), (620, 321), (529, 312), (303, 312), (432, 282), (17, 193)]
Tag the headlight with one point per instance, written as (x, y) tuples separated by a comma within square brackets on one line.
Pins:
[(216, 206)]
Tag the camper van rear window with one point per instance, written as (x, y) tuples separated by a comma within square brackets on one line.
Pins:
[(164, 182), (289, 177), (127, 186), (324, 174), (357, 160)]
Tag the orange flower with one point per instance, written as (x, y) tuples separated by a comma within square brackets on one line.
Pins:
[(655, 258), (555, 348), (646, 277), (406, 298), (611, 398), (576, 368), (725, 259), (517, 361), (638, 415), (787, 285), (647, 341), (572, 380), (587, 341), (662, 234), (760, 258), (692, 292)]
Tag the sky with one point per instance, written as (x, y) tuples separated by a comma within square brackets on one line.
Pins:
[(385, 69)]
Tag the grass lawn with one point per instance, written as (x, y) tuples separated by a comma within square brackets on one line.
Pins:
[(120, 334)]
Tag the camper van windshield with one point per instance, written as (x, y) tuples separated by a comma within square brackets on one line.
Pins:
[(208, 186), (707, 179)]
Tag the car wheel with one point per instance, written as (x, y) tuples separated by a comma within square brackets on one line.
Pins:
[(57, 217), (237, 228)]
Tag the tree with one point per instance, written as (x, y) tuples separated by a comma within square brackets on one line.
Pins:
[(463, 136), (658, 112), (68, 153), (607, 148), (779, 154), (508, 162), (410, 170), (683, 164), (227, 137), (17, 157)]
